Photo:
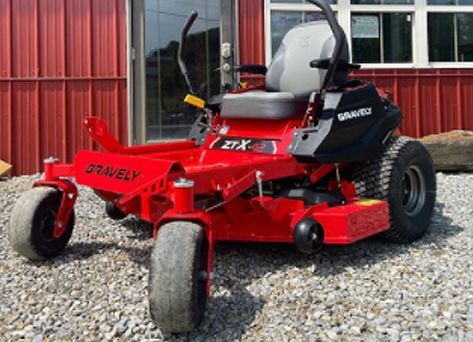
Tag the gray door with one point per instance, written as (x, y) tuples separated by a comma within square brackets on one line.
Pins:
[(158, 87)]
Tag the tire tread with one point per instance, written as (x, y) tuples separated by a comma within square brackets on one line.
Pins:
[(172, 277), (376, 178)]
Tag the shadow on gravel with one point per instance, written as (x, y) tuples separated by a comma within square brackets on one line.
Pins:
[(227, 317), (253, 260), (85, 250), (141, 230), (332, 259), (230, 315)]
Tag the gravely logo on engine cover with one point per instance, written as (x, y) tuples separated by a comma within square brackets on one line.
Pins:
[(354, 114), (119, 173)]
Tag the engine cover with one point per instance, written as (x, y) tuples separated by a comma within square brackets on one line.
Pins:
[(353, 126)]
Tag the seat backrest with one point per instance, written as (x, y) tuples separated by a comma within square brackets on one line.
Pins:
[(290, 71)]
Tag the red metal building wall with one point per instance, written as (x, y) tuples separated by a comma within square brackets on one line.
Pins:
[(432, 100), (60, 60), (251, 35)]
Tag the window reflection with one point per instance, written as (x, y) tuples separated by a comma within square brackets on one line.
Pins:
[(465, 37), (444, 29), (283, 21), (167, 116), (382, 38)]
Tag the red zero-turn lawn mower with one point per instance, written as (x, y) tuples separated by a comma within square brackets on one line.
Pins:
[(311, 158)]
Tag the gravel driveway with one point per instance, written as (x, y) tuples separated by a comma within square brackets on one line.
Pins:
[(367, 291)]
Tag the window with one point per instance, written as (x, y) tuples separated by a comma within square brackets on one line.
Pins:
[(285, 14), (167, 117), (283, 21), (381, 38), (450, 37), (388, 33)]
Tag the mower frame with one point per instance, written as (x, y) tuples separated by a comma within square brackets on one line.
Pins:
[(147, 181)]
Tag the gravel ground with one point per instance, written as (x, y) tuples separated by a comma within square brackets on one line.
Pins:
[(368, 291)]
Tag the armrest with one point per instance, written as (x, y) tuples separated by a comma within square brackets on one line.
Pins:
[(323, 63), (251, 69)]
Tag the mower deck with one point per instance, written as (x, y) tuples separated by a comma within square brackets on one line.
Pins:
[(140, 180)]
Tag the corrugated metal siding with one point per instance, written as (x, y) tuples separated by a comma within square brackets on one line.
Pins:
[(432, 100), (60, 60), (251, 35)]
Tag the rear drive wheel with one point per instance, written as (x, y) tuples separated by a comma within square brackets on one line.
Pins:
[(32, 224), (404, 176), (177, 278)]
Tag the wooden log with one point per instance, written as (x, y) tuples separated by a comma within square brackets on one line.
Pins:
[(4, 168), (451, 151)]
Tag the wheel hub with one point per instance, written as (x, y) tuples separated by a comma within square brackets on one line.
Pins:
[(47, 226), (414, 190)]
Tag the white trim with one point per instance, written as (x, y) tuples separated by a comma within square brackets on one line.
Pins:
[(129, 68), (387, 65), (449, 9), (420, 40), (382, 8), (344, 10), (451, 65), (434, 65), (236, 32), (344, 18), (297, 7), (267, 33)]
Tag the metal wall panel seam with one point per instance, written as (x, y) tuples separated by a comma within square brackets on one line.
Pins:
[(416, 107), (37, 114), (438, 104), (459, 110), (10, 86), (91, 67), (65, 137), (116, 72)]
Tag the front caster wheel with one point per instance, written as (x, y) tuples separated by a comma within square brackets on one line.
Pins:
[(177, 278), (32, 224)]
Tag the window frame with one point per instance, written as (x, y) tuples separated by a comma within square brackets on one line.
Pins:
[(344, 10)]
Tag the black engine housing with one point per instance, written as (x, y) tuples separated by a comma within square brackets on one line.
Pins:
[(353, 126)]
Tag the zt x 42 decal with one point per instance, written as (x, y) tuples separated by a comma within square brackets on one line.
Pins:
[(119, 173), (245, 145)]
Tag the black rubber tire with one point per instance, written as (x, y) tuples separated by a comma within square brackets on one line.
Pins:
[(32, 222), (383, 178), (177, 294), (114, 212)]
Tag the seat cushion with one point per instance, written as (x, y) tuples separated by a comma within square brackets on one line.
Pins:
[(259, 105)]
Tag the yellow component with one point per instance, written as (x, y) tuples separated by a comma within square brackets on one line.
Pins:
[(194, 101), (243, 85), (368, 202)]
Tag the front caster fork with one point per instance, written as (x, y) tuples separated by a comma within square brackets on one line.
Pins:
[(210, 259), (69, 197)]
